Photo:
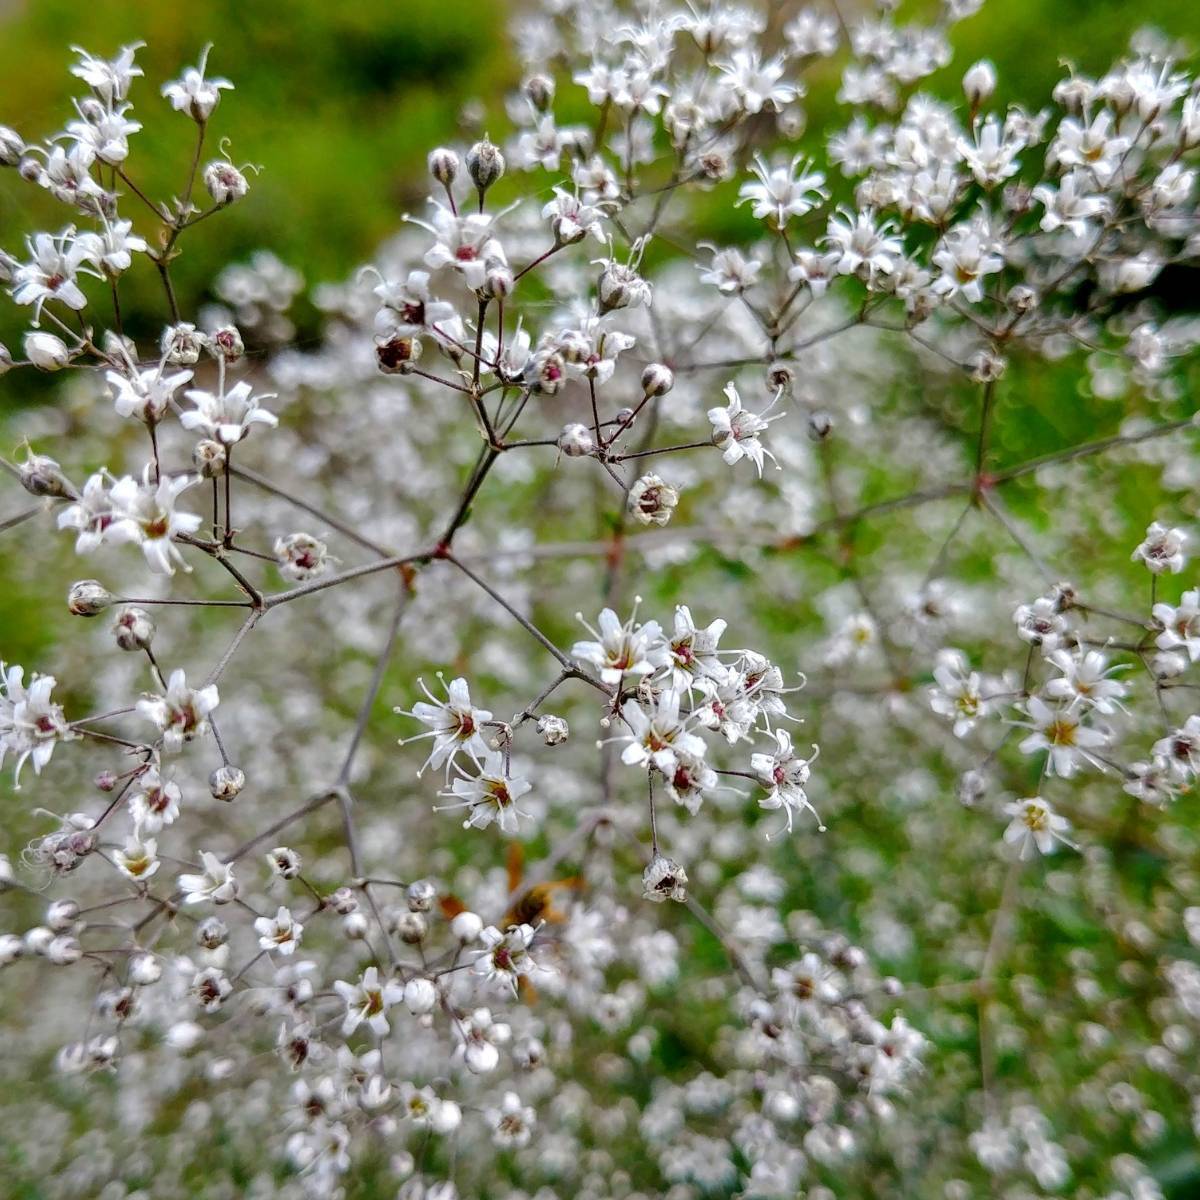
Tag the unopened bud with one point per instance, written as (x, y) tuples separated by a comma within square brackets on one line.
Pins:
[(485, 165), (979, 83), (355, 926), (443, 165), (42, 476), (11, 147), (498, 283), (105, 780), (467, 926), (133, 629), (412, 927), (820, 425), (62, 914), (226, 782), (657, 379), (209, 458), (539, 90), (88, 598), (576, 440), (420, 995), (181, 344), (46, 352), (420, 895), (344, 901)]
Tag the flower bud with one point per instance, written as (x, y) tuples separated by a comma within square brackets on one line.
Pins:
[(38, 939), (576, 440), (145, 968), (105, 780), (412, 927), (354, 926), (226, 343), (421, 895), (181, 344), (225, 183), (11, 948), (11, 147), (443, 165), (31, 170), (539, 91), (209, 458), (979, 83), (621, 287), (226, 782), (485, 164), (657, 379), (64, 950), (62, 914), (42, 476), (553, 730), (652, 500), (133, 629), (420, 995), (1021, 299), (6, 361), (46, 352), (498, 283), (445, 1118), (820, 425), (467, 926), (88, 598), (344, 901)]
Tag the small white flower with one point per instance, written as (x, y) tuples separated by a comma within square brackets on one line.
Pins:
[(1060, 732), (1180, 624), (1035, 827), (281, 932), (31, 724), (226, 417), (784, 773), (1161, 550), (664, 879), (145, 395), (182, 714), (138, 859), (368, 1000), (736, 431), (492, 795), (454, 724), (193, 94), (512, 1123), (621, 649), (217, 883)]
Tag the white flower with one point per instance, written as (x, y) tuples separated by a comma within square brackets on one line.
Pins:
[(1071, 206), (1151, 782), (182, 714), (736, 431), (145, 394), (1085, 681), (138, 859), (145, 514), (652, 500), (957, 695), (729, 271), (106, 133), (210, 987), (784, 773), (46, 351), (571, 219), (657, 733), (491, 795), (755, 84), (1035, 827), (51, 274), (782, 191), (217, 883), (806, 986), (1161, 549), (1180, 624), (505, 957), (688, 782), (693, 651), (108, 78), (1093, 147), (193, 94), (1068, 742), (964, 261), (368, 1000), (1041, 623), (992, 156), (155, 803), (1181, 749), (512, 1123), (409, 308), (31, 724), (464, 243), (280, 932), (620, 650), (454, 724), (226, 417), (478, 1037), (862, 246)]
